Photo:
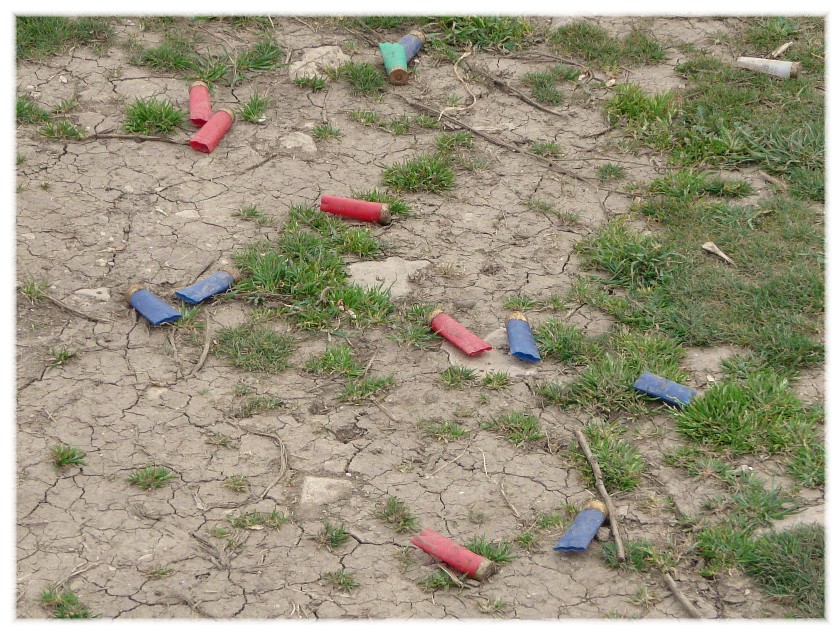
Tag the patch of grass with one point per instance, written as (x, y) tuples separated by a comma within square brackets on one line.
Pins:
[(326, 131), (150, 477), (210, 69), (444, 431), (254, 519), (65, 604), (221, 440), (150, 116), (333, 535), (565, 342), (250, 212), (546, 148), (337, 359), (365, 117), (358, 390), (63, 455), (262, 56), (440, 581), (426, 172), (237, 483), (399, 125), (457, 377), (60, 356), (364, 79), (412, 328), (621, 464), (28, 111), (254, 109), (759, 413), (160, 572), (499, 551), (496, 380), (396, 206), (34, 290), (255, 349), (36, 37), (60, 130), (425, 121), (259, 404), (175, 53), (592, 43), (480, 32), (518, 427), (791, 566), (519, 302), (449, 142), (395, 513), (526, 540), (390, 23), (310, 81), (642, 556), (610, 172), (765, 34)]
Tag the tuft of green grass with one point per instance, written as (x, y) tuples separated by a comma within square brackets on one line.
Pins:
[(263, 56), (337, 359), (546, 148), (219, 439), (496, 380), (425, 121), (150, 116), (399, 125), (65, 605), (364, 79), (526, 540), (34, 290), (28, 111), (565, 342), (63, 455), (518, 427), (361, 389), (37, 37), (60, 356), (444, 431), (480, 32), (543, 88), (254, 519), (325, 131), (259, 404), (365, 117), (412, 329), (333, 535), (150, 477), (237, 483), (250, 212), (396, 206), (310, 81), (159, 572), (61, 130), (439, 581), (457, 377), (426, 172), (449, 142), (395, 513), (642, 556), (592, 43), (621, 464), (611, 172), (255, 349), (175, 53), (499, 552), (254, 109)]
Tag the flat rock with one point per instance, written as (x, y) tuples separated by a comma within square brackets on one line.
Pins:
[(496, 360), (392, 273), (317, 491), (299, 141), (603, 534), (314, 59), (102, 294)]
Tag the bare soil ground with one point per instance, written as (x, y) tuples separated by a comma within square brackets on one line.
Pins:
[(119, 212)]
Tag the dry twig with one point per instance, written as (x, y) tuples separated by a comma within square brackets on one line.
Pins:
[(693, 612)]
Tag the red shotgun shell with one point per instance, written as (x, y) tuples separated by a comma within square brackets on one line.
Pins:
[(357, 209), (200, 110), (206, 139), (458, 557), (456, 334)]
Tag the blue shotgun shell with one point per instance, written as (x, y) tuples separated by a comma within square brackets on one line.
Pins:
[(521, 339), (668, 391), (201, 290), (412, 44), (583, 529), (151, 306)]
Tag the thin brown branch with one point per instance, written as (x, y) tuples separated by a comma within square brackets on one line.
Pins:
[(693, 612)]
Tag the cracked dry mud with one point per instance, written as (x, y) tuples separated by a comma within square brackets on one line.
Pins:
[(120, 212)]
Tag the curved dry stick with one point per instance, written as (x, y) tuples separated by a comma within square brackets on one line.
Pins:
[(693, 612), (73, 311), (461, 79), (599, 484), (205, 350)]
